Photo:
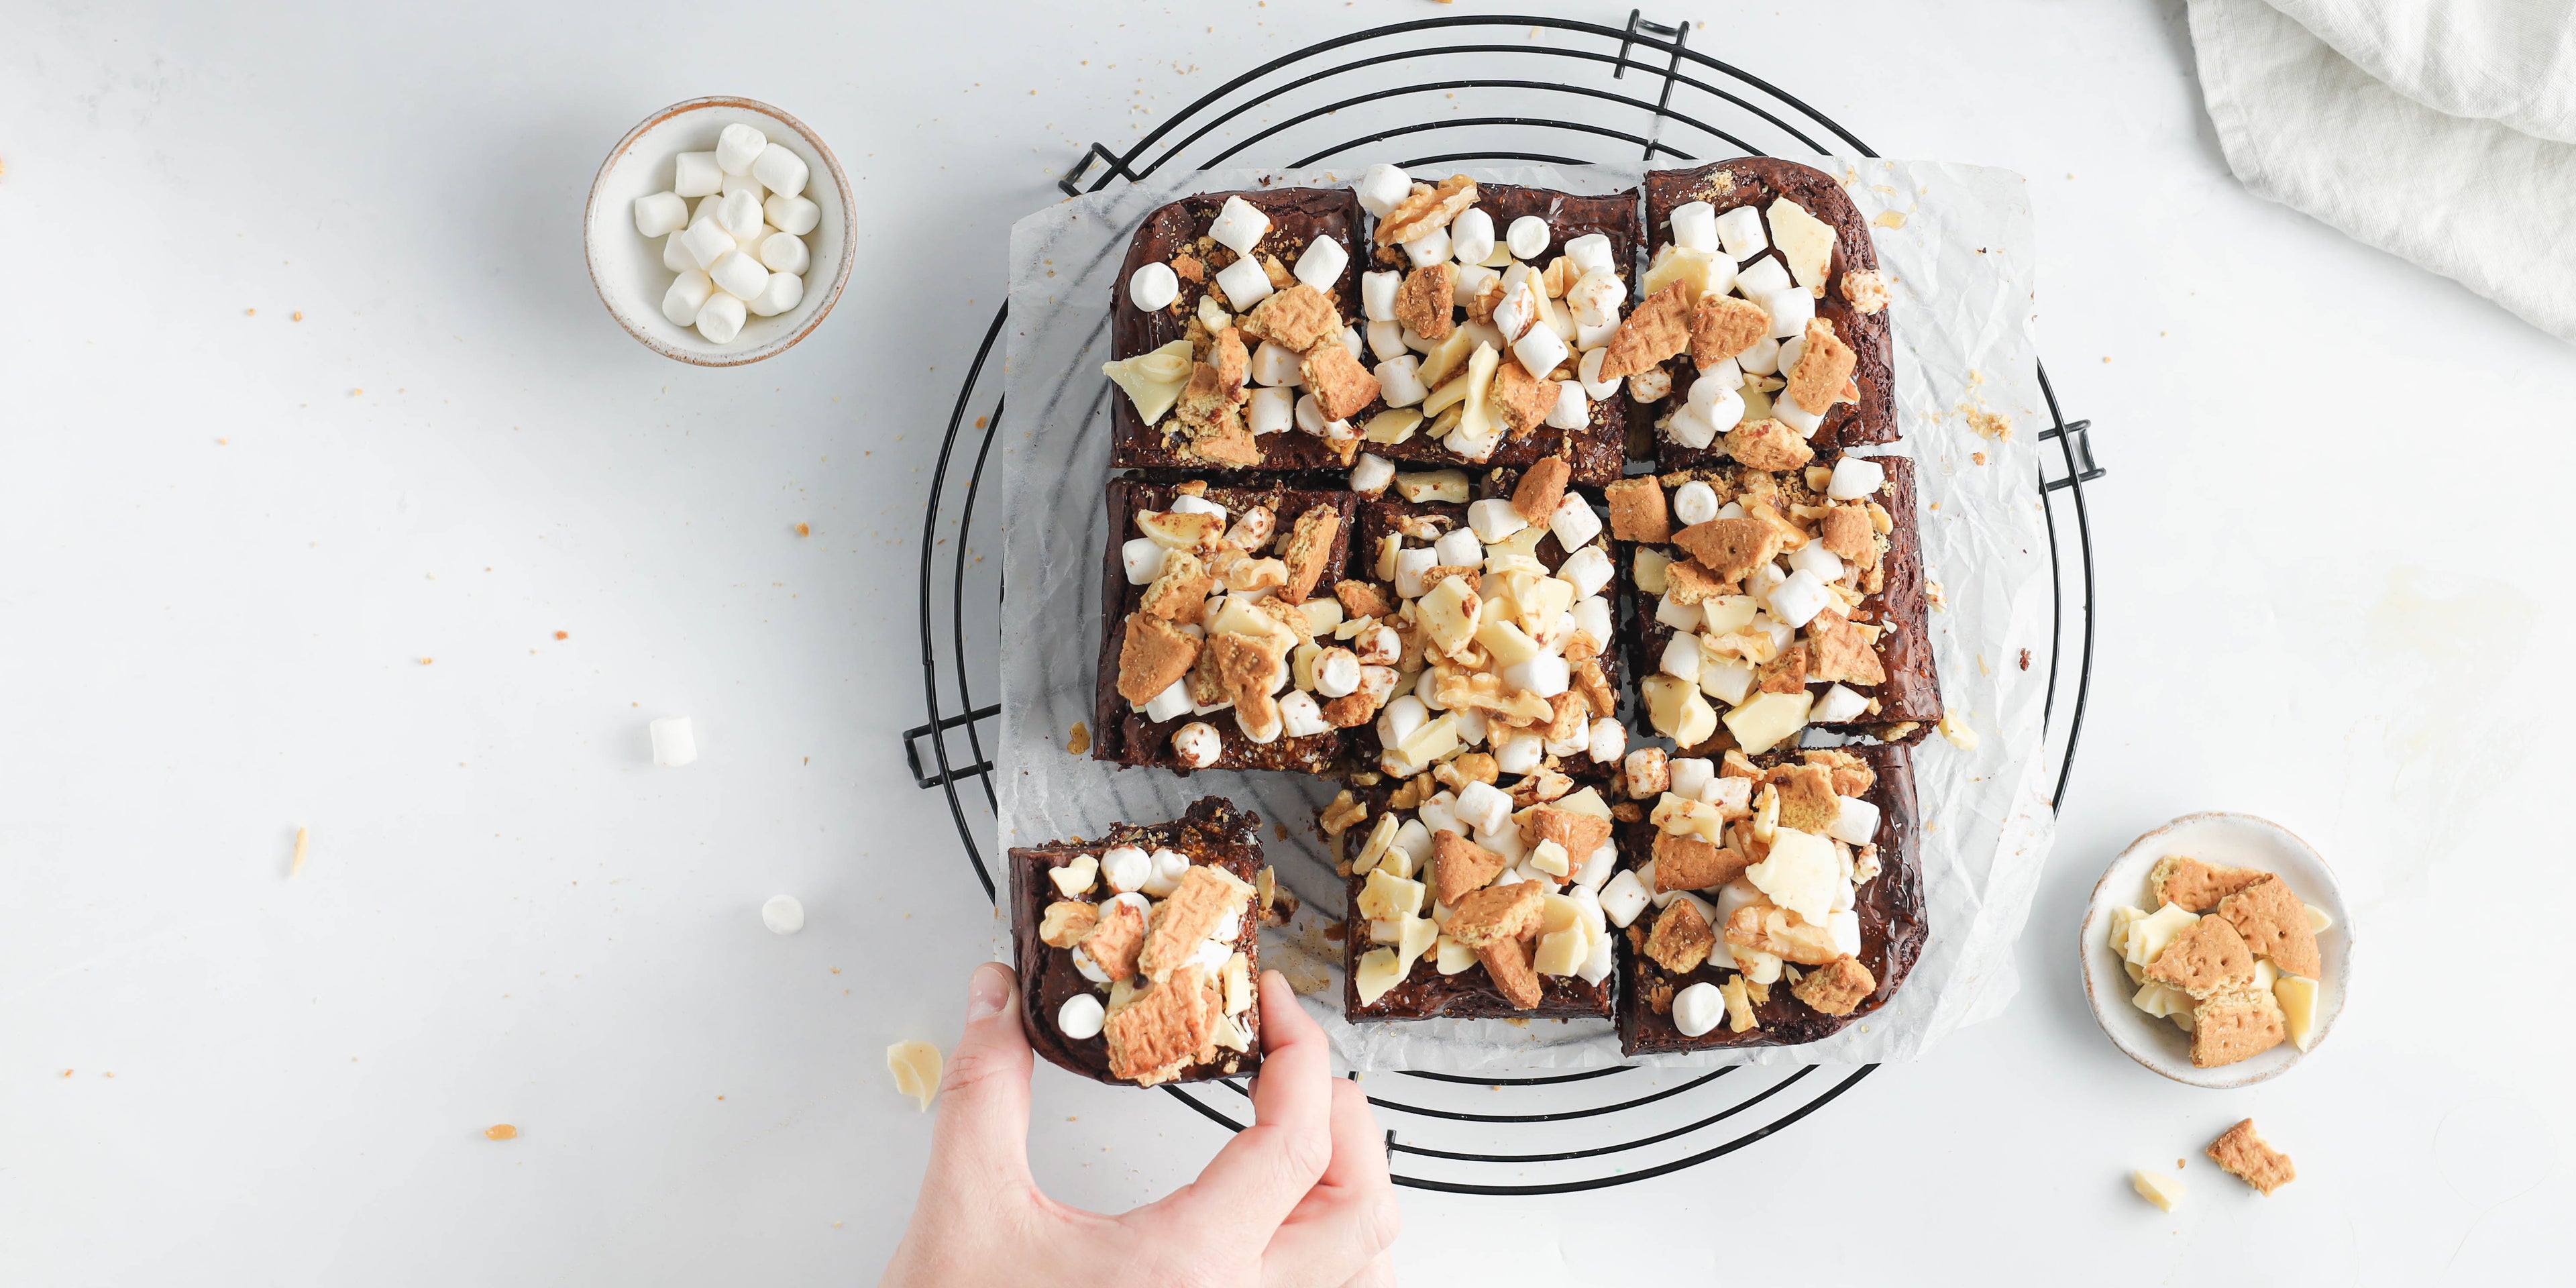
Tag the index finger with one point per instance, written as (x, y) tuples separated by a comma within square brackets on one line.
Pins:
[(1257, 1179)]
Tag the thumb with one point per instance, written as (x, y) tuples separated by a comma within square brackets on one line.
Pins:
[(982, 1138)]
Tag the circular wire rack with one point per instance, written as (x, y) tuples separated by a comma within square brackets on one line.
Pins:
[(1462, 90)]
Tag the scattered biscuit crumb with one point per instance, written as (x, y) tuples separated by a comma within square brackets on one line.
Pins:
[(1080, 740), (1978, 457), (427, 660), (501, 1131), (804, 530), (1890, 219), (67, 1073), (303, 846), (250, 313), (356, 392), (563, 635), (1932, 592), (296, 316), (1988, 424)]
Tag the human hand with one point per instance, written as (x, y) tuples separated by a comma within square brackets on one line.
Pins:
[(1299, 1198)]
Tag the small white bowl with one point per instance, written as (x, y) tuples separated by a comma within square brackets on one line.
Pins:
[(2230, 840), (626, 267)]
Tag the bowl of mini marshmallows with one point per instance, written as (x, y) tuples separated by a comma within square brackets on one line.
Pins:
[(719, 231)]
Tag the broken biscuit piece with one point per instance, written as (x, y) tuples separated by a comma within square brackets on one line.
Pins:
[(2275, 925), (2251, 1159), (2198, 885)]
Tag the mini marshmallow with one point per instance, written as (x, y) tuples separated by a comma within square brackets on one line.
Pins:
[(739, 214), (1471, 281), (1595, 298), (1587, 570), (1428, 249), (1274, 364), (1403, 715), (1143, 559), (1694, 502), (1726, 375), (1187, 504), (1722, 409), (1351, 341), (1787, 411), (785, 253), (1814, 558), (1589, 372), (784, 291), (1676, 614), (1695, 226), (1588, 338), (1321, 265), (1681, 657), (1545, 675), (1337, 673), (1518, 751), (738, 146), (1791, 350), (1762, 359), (1239, 226), (780, 170), (720, 319), (1310, 415), (1459, 548), (1572, 410), (1689, 428), (1575, 523), (1691, 775), (1592, 612), (1300, 717), (1399, 381), (1244, 283), (1740, 232), (1377, 295), (1591, 253), (1762, 277), (1623, 898), (1383, 188), (675, 256), (1855, 477), (1539, 350), (1374, 472), (1650, 385), (688, 293), (1271, 411), (1575, 744), (1609, 741), (792, 214), (1197, 744), (1838, 705), (1483, 806), (1414, 340), (1126, 867), (1797, 601), (1169, 868), (696, 174), (1410, 564), (734, 183), (1386, 340), (1153, 287), (1529, 237), (660, 213), (1471, 236), (739, 276), (706, 243), (1514, 312), (1081, 1016), (1169, 703), (1700, 1007), (1857, 822), (675, 741), (783, 914)]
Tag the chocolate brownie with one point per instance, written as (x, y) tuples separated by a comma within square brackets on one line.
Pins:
[(1893, 600), (1759, 182), (1888, 907), (1177, 234), (1125, 733), (1221, 1010)]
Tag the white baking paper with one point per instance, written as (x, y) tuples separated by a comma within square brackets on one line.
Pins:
[(1956, 244)]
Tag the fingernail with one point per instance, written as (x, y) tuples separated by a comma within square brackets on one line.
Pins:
[(988, 992)]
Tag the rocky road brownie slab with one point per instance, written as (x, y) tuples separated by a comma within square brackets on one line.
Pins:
[(1207, 591), (1138, 953), (1780, 303), (1767, 901), (1787, 597)]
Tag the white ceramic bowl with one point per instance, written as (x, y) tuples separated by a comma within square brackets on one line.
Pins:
[(2231, 840), (626, 267)]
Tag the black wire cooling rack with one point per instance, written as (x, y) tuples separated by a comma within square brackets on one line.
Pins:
[(1464, 89)]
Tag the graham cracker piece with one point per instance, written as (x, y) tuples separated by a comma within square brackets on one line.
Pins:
[(1807, 800), (1230, 362), (1835, 987), (2275, 925), (1852, 775), (1824, 368), (1116, 935), (1341, 386), (2228, 1027), (1637, 510), (1296, 319), (1496, 912), (2196, 884), (1507, 963), (1521, 399), (1308, 548), (1180, 593), (1768, 445), (1358, 598), (1686, 581), (1163, 1028), (1206, 896), (1656, 329), (1723, 326), (1730, 548), (1682, 938), (1541, 487), (1459, 865), (1153, 656), (1844, 653), (1580, 834), (2208, 957), (1425, 299), (1244, 667), (1227, 441), (1689, 863), (1848, 533), (1786, 673), (2251, 1159)]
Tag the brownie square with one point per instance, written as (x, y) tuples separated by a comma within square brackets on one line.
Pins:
[(1598, 452), (1389, 516), (1912, 691), (1759, 181), (1425, 993), (1179, 231), (1212, 833), (1893, 929), (1123, 733)]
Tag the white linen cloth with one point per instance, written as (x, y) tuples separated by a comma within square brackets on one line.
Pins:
[(2439, 130)]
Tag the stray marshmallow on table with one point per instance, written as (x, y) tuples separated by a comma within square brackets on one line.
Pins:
[(739, 251), (675, 742)]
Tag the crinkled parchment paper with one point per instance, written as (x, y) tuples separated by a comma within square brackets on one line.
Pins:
[(1956, 243)]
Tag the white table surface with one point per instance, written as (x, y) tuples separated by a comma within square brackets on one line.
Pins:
[(232, 544)]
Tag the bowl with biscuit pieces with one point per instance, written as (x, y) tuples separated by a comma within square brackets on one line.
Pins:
[(2216, 950)]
